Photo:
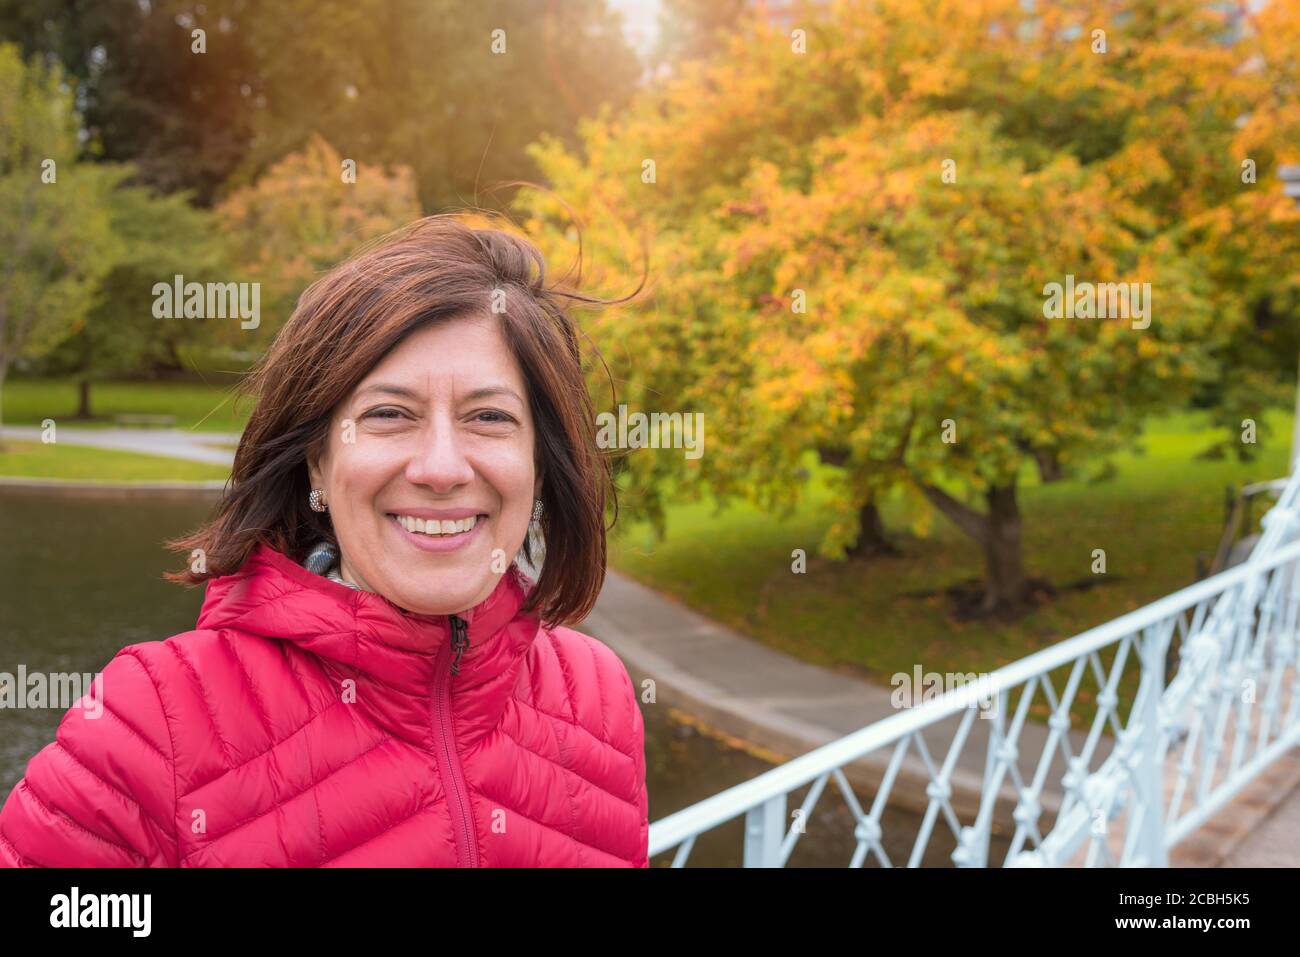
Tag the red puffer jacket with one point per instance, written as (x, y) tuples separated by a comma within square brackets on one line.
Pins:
[(304, 723)]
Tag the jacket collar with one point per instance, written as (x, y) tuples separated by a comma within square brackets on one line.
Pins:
[(396, 659)]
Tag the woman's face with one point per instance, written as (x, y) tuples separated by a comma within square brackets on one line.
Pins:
[(439, 430)]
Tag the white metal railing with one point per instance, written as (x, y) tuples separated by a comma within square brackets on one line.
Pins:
[(1178, 753)]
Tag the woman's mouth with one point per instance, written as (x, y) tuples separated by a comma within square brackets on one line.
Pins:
[(434, 535)]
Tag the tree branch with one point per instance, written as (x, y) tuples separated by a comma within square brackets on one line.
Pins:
[(973, 523)]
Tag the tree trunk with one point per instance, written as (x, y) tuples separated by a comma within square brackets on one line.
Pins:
[(1003, 559), (998, 533), (4, 368), (83, 400), (836, 456), (1049, 466), (872, 540)]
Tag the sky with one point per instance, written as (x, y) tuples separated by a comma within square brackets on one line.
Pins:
[(640, 21)]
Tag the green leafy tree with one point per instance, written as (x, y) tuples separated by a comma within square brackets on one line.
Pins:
[(184, 120), (160, 237), (55, 212), (411, 82), (454, 91)]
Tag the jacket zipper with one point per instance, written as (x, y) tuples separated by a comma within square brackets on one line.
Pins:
[(459, 640), (466, 845)]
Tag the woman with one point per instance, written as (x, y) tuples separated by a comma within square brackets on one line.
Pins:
[(373, 680)]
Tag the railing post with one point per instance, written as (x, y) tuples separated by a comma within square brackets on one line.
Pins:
[(973, 843), (764, 832), (1151, 838)]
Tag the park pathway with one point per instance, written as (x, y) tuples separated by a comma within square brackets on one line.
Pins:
[(1275, 842), (170, 443)]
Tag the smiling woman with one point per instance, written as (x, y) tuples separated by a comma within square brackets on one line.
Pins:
[(439, 435), (374, 679)]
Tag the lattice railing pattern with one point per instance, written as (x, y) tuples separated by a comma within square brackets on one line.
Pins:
[(1125, 765)]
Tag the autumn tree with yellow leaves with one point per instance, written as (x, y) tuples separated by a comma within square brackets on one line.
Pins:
[(852, 227), (307, 212)]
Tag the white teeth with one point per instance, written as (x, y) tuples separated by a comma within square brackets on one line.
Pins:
[(434, 527)]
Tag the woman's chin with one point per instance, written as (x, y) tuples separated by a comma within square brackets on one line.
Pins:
[(416, 598)]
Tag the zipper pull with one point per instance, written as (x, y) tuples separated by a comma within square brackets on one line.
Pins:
[(459, 640)]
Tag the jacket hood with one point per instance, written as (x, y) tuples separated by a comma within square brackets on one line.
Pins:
[(396, 658)]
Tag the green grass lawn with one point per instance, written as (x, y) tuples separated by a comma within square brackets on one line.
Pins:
[(207, 408), (63, 461), (879, 617)]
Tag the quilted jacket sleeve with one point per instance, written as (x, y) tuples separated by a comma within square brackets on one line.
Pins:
[(103, 794)]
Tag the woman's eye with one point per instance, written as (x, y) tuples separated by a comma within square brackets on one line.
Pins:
[(493, 417), (383, 414)]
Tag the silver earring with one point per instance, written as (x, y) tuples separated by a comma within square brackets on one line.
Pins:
[(317, 500), (537, 510)]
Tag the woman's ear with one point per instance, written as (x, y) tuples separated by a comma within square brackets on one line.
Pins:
[(314, 472)]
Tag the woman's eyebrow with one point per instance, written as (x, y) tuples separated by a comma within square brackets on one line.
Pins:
[(388, 389), (491, 390), (405, 393)]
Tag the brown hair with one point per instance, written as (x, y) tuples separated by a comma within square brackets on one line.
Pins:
[(431, 270)]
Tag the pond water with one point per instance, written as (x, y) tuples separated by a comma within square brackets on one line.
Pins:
[(81, 579)]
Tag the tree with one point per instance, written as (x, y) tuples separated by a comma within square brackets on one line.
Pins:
[(301, 217), (1251, 237), (410, 82), (695, 29), (183, 119), (455, 91), (160, 237), (55, 224), (853, 248)]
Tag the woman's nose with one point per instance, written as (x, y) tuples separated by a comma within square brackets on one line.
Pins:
[(438, 459)]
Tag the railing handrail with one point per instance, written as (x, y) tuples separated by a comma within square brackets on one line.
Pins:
[(670, 831), (1270, 485)]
